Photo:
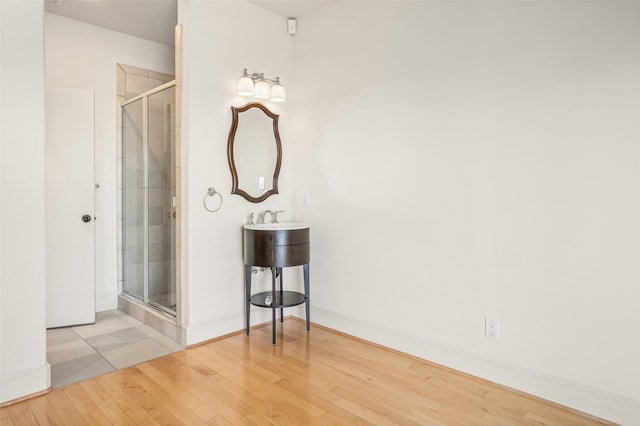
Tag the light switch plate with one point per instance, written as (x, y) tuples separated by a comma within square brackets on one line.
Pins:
[(328, 182)]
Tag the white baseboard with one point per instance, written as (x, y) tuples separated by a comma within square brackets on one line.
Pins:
[(594, 401), (24, 382), (106, 301), (197, 333)]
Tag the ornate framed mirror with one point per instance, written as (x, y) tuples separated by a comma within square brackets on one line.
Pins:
[(254, 152)]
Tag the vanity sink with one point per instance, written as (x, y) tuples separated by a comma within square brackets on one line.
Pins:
[(276, 244), (285, 226)]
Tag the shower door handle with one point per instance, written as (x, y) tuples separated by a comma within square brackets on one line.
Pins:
[(86, 218)]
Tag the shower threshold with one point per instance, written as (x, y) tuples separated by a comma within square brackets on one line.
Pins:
[(169, 309), (153, 316)]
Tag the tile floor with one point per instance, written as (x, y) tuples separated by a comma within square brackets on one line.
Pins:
[(115, 341)]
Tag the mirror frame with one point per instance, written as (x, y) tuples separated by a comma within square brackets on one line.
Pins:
[(230, 145)]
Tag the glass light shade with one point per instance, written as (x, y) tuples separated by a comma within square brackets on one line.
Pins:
[(245, 86), (261, 90), (277, 93)]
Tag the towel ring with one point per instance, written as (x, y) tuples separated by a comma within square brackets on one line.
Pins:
[(210, 193)]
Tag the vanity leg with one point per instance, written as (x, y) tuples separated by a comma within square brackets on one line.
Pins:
[(281, 297), (247, 289), (306, 293), (273, 305)]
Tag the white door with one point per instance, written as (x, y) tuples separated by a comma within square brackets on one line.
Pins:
[(70, 207)]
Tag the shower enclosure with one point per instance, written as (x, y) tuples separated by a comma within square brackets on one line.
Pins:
[(149, 198)]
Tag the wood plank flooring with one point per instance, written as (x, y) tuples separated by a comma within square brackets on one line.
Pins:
[(324, 378)]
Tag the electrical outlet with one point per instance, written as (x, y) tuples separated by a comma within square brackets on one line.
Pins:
[(305, 199), (491, 328)]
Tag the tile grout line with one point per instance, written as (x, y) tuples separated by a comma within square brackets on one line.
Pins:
[(140, 327), (96, 349)]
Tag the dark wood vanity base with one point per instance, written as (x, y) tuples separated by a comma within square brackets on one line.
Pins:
[(279, 247)]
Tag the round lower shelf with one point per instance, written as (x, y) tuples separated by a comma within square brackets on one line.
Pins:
[(284, 299)]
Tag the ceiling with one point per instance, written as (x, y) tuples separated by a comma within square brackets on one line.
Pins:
[(155, 19), (290, 8)]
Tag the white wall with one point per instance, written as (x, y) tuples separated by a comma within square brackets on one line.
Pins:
[(23, 364), (219, 40), (485, 162), (83, 56)]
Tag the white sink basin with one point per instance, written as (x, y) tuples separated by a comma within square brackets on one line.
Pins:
[(284, 226)]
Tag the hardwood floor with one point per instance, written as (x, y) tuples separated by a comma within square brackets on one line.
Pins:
[(317, 379)]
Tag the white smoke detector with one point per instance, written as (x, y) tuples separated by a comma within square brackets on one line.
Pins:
[(291, 26)]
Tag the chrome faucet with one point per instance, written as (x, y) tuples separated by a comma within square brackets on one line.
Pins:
[(261, 216), (250, 220), (274, 216)]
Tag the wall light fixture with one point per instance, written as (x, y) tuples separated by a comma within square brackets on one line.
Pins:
[(257, 85)]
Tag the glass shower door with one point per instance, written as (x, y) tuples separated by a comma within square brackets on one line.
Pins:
[(133, 124), (161, 213), (149, 198)]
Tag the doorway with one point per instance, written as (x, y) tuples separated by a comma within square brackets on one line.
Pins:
[(70, 187)]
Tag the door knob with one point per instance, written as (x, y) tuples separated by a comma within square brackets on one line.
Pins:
[(86, 218)]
